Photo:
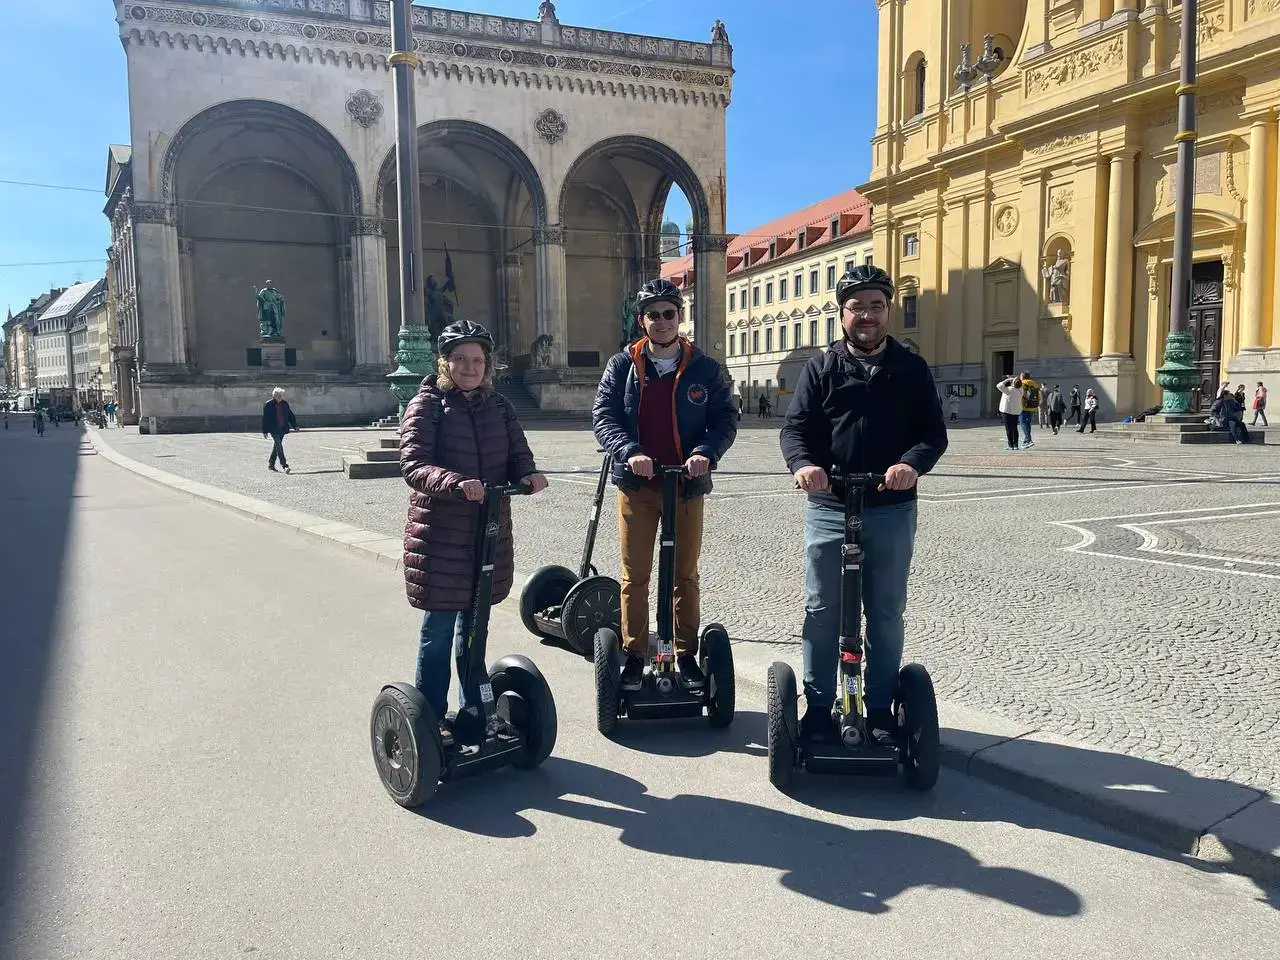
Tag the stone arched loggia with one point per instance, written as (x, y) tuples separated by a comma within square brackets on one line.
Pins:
[(674, 168)]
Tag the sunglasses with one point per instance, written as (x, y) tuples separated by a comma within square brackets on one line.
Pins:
[(668, 314)]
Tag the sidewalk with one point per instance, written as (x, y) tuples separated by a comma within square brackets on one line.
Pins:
[(1209, 820)]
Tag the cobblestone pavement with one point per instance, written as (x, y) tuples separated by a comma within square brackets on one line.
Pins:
[(1124, 595)]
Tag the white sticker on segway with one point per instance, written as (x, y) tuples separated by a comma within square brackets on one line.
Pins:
[(486, 693)]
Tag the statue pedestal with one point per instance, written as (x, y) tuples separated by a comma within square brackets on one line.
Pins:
[(273, 355)]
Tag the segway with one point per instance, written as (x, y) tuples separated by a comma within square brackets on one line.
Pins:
[(510, 718), (916, 747), (662, 694), (557, 604)]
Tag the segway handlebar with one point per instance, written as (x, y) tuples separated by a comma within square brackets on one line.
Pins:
[(500, 490), (840, 480)]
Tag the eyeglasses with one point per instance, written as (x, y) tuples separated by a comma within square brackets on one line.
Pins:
[(874, 310), (654, 315)]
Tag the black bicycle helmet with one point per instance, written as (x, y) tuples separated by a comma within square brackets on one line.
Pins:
[(656, 291), (460, 332), (863, 277)]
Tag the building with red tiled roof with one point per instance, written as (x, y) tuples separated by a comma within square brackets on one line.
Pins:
[(780, 293)]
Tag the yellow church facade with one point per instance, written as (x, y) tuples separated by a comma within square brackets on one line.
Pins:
[(1023, 178)]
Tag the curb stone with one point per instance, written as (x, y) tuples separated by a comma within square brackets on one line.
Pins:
[(1218, 824)]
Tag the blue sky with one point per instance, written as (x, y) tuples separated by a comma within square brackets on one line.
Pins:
[(800, 94)]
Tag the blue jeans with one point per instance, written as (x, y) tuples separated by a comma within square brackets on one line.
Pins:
[(888, 541), (444, 632), (1025, 420)]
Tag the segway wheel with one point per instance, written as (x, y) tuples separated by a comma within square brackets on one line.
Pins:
[(546, 588), (525, 701), (717, 664), (608, 661), (591, 605), (406, 744), (784, 724), (917, 711)]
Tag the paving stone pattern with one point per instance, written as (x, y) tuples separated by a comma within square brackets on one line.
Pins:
[(1176, 661)]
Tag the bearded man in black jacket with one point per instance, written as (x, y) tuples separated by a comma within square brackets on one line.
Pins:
[(867, 405)]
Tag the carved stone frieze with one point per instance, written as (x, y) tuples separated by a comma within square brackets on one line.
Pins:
[(145, 211), (365, 108), (550, 235), (1059, 143), (551, 126), (1061, 203), (1169, 114), (1007, 220), (1074, 67)]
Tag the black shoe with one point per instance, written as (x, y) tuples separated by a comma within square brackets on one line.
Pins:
[(271, 467), (690, 673), (632, 672), (883, 726), (819, 726)]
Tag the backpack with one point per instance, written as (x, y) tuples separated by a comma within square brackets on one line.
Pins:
[(1031, 397)]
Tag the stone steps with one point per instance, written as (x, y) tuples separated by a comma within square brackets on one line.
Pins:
[(1180, 431)]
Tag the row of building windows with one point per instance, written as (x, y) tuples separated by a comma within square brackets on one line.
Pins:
[(738, 345), (738, 298)]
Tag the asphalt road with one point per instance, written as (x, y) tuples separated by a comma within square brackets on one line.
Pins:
[(187, 774)]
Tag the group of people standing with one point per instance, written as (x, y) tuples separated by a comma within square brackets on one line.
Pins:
[(662, 402), (1022, 398), (1227, 412)]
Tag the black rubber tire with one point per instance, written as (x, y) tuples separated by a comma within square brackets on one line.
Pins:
[(546, 588), (917, 712), (598, 602), (608, 661), (405, 736), (717, 663), (540, 724), (784, 723)]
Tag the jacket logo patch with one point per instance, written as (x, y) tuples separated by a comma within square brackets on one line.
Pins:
[(697, 394), (491, 530)]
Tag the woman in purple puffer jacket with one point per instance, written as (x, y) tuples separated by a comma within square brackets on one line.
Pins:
[(457, 435)]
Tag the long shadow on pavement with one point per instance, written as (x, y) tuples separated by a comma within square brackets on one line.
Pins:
[(813, 855), (37, 481)]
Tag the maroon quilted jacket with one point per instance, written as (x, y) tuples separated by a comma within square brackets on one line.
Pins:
[(475, 439)]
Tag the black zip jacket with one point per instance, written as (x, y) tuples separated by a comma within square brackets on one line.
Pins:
[(839, 418)]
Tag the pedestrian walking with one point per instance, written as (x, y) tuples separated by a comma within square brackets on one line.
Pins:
[(1090, 412), (38, 422), (1044, 408), (953, 404), (1074, 404), (1030, 404), (1010, 409), (1259, 405), (277, 420), (1057, 405)]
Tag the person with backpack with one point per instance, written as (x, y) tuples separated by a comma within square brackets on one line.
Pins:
[(1030, 404), (1056, 407), (457, 435)]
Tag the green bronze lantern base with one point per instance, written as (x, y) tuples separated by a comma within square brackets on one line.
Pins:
[(1178, 377), (415, 359)]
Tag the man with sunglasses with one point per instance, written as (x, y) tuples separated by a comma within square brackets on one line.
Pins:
[(866, 405), (661, 402)]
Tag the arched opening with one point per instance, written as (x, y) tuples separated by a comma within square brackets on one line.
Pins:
[(481, 202), (921, 79), (615, 200), (263, 194)]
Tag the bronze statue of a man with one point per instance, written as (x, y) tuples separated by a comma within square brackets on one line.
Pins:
[(270, 312)]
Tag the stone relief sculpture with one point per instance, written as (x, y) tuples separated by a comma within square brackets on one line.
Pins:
[(541, 350), (270, 312), (546, 10), (1056, 276), (718, 33)]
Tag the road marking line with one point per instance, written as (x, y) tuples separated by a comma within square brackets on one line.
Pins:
[(1221, 516), (1168, 513)]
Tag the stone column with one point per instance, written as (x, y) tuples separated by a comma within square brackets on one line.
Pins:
[(186, 254), (552, 298), (160, 307), (1275, 254), (512, 281), (1257, 268), (709, 258), (369, 298), (1117, 307)]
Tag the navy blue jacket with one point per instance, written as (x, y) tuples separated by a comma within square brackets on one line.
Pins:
[(840, 418), (270, 425), (705, 416)]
